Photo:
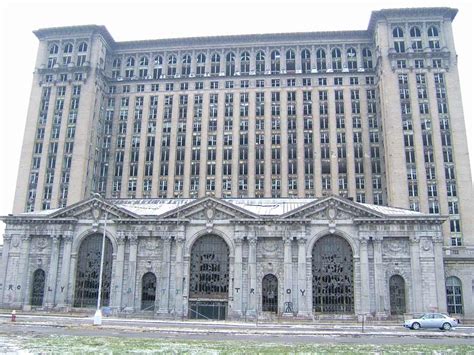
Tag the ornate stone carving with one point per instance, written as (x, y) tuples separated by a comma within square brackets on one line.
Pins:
[(395, 247)]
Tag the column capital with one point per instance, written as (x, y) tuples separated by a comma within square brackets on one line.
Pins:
[(363, 240), (55, 238), (301, 240), (120, 237), (67, 236), (133, 239), (414, 239)]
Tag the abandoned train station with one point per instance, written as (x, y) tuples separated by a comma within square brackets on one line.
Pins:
[(226, 258)]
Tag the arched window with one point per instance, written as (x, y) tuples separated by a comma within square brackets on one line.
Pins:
[(367, 58), (148, 291), (336, 59), (172, 65), (270, 293), (88, 270), (54, 49), (143, 61), (305, 61), (454, 295), (244, 63), (82, 47), (37, 291), (397, 295), (157, 67), (433, 38), (333, 275), (397, 32), (201, 64), (68, 48), (320, 59), (130, 62), (209, 277), (230, 64), (351, 59), (290, 60), (398, 43), (260, 63), (275, 65), (158, 60), (215, 64), (415, 36), (186, 65)]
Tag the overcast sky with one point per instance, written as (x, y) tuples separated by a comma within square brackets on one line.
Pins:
[(168, 19)]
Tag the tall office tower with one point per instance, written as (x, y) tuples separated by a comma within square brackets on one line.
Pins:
[(374, 115), (299, 174)]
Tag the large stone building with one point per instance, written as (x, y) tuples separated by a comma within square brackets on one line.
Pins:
[(299, 174)]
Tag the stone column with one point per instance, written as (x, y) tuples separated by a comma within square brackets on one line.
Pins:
[(302, 287), (439, 273), (364, 276), (379, 276), (287, 274), (7, 238), (237, 291), (62, 294), (417, 296), (252, 275), (118, 274), (165, 276), (132, 273), (179, 283), (21, 298), (49, 300)]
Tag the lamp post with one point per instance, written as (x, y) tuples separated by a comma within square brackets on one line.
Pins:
[(98, 313)]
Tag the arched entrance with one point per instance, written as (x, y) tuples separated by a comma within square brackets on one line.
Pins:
[(88, 270), (333, 275), (148, 291), (270, 293), (209, 278), (38, 288), (397, 295)]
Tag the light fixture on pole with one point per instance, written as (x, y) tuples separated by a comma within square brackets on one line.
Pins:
[(98, 312)]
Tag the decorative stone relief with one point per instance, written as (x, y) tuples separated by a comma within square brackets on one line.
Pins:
[(395, 247)]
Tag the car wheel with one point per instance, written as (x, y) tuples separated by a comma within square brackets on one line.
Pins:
[(415, 326), (446, 326)]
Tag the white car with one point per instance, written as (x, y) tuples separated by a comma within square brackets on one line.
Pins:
[(431, 320)]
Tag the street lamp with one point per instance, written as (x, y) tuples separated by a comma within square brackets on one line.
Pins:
[(98, 313)]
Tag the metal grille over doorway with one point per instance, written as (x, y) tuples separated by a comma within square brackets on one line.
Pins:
[(88, 270), (333, 274), (38, 288), (209, 278), (270, 293)]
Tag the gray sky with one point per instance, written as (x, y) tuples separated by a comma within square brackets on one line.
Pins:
[(167, 19)]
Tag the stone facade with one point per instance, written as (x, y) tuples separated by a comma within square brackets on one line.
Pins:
[(280, 153), (267, 236)]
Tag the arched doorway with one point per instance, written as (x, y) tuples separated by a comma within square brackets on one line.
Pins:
[(148, 291), (209, 278), (454, 295), (397, 295), (270, 293), (333, 275), (37, 293), (88, 270)]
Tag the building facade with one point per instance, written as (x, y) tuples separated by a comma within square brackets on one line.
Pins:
[(359, 118)]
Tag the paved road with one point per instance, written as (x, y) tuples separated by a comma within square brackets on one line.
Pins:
[(38, 325)]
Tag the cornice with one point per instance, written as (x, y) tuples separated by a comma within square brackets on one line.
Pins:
[(410, 13)]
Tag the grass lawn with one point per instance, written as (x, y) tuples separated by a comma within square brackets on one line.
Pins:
[(116, 345)]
